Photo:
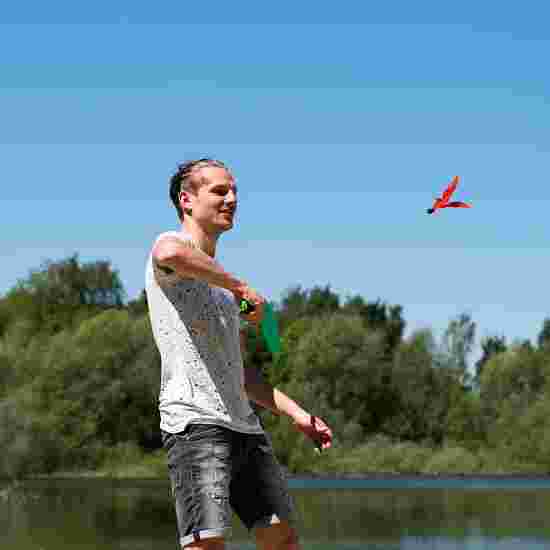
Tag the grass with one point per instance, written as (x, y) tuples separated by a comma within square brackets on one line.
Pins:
[(378, 455)]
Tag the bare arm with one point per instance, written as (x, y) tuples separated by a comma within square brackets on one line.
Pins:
[(265, 395), (268, 397), (188, 261)]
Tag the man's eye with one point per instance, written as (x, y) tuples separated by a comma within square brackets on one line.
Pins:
[(222, 191)]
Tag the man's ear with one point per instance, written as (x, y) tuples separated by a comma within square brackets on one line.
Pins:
[(186, 202)]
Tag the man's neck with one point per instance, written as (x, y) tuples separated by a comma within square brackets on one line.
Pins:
[(205, 241)]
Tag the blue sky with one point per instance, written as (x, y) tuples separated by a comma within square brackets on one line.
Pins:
[(341, 126)]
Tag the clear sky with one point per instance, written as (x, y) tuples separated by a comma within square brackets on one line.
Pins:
[(341, 124)]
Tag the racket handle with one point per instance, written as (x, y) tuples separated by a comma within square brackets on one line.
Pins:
[(318, 446), (246, 307)]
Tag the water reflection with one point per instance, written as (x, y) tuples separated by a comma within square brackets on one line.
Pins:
[(109, 515)]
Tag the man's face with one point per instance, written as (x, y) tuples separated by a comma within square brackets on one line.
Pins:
[(215, 204)]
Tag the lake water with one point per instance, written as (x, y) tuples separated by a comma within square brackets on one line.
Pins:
[(386, 513)]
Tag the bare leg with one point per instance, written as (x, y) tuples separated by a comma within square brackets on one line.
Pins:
[(279, 536), (207, 544)]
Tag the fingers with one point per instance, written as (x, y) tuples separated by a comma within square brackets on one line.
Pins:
[(250, 295), (323, 433), (316, 430)]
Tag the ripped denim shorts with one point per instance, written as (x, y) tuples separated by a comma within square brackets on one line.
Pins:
[(214, 470)]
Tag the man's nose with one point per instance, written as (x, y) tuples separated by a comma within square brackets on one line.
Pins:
[(231, 199)]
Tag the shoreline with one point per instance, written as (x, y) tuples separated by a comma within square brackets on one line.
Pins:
[(60, 476), (377, 476)]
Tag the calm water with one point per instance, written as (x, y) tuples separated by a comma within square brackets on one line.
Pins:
[(404, 514)]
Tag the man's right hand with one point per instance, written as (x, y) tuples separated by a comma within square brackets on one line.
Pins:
[(250, 295)]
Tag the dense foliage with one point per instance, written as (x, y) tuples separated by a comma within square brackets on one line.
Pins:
[(80, 373)]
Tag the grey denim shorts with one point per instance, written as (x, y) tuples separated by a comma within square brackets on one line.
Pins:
[(214, 470)]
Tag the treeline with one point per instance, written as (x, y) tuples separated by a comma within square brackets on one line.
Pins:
[(80, 375)]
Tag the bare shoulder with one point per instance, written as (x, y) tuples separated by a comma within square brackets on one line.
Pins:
[(166, 247), (170, 243)]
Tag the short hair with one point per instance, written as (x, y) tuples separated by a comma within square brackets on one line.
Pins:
[(187, 178)]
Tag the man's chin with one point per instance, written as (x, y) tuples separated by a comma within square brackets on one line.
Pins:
[(226, 226)]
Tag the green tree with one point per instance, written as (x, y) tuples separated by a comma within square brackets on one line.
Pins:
[(27, 447), (423, 391), (381, 317), (138, 307), (99, 386), (543, 338), (490, 346), (464, 423), (60, 295), (336, 369), (297, 303), (525, 437), (511, 381), (7, 374), (458, 342)]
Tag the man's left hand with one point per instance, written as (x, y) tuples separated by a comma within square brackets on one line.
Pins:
[(316, 429)]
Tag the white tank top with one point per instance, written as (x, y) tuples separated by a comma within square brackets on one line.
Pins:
[(196, 329)]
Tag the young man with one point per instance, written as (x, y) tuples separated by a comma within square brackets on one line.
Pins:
[(219, 457)]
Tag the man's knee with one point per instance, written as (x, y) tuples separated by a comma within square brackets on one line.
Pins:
[(216, 543), (290, 542), (279, 536)]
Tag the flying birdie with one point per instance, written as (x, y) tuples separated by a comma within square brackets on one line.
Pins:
[(443, 201)]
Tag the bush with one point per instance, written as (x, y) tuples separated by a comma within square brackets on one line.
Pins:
[(27, 448), (413, 457), (128, 460), (453, 460), (378, 455)]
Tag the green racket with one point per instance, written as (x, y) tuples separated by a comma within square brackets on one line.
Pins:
[(268, 326), (270, 333)]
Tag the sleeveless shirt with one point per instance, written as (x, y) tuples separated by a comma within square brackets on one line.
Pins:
[(196, 330)]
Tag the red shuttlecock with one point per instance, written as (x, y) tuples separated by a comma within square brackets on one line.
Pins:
[(443, 201)]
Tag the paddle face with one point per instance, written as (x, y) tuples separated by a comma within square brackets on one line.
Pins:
[(268, 326), (270, 330)]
